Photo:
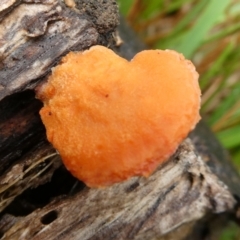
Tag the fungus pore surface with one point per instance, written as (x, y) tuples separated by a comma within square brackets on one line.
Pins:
[(111, 119)]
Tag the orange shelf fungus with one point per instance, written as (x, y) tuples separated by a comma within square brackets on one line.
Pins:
[(111, 119)]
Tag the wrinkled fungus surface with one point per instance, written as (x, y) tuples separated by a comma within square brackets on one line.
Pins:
[(111, 119)]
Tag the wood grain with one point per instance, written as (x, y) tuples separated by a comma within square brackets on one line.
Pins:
[(182, 190)]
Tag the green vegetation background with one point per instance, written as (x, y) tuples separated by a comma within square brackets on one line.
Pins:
[(208, 33)]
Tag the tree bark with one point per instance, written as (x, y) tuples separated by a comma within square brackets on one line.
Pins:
[(39, 198)]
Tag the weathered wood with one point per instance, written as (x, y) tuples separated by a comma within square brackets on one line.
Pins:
[(216, 157), (32, 170), (39, 198), (34, 34), (182, 190)]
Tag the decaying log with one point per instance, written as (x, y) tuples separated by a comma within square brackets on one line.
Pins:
[(39, 199), (34, 34), (182, 190)]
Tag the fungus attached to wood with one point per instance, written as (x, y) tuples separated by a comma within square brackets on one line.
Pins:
[(111, 119)]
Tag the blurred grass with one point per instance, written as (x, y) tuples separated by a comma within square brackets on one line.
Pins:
[(208, 33), (232, 232)]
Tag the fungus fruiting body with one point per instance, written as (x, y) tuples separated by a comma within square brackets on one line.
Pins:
[(111, 119)]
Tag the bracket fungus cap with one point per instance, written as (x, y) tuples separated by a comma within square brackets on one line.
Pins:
[(111, 119)]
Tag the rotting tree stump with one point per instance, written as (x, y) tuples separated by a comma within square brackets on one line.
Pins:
[(39, 198)]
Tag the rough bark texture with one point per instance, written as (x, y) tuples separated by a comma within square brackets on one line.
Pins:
[(34, 35), (39, 198), (182, 190)]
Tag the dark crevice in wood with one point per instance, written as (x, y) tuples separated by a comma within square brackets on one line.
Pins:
[(20, 127), (31, 199), (49, 217)]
